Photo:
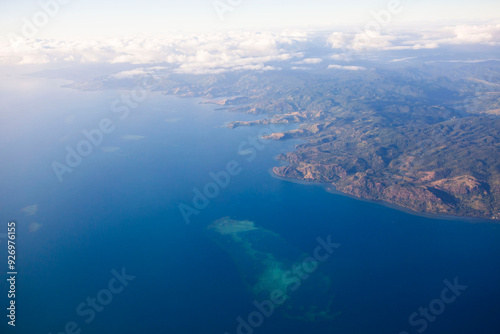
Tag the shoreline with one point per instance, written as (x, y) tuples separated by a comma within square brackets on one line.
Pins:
[(329, 188)]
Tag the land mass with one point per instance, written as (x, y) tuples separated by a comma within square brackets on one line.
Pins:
[(425, 137)]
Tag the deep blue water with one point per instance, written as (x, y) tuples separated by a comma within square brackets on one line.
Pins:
[(119, 209)]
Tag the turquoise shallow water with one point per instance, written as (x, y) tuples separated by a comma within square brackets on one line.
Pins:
[(119, 209)]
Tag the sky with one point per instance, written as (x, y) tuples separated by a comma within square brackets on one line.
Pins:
[(113, 18), (199, 36)]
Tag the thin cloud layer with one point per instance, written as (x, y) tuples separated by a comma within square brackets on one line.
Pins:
[(350, 68)]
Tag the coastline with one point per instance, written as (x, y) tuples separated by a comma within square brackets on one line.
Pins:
[(214, 105), (329, 188)]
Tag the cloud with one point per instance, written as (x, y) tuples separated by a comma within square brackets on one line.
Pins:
[(350, 68), (430, 38), (182, 53), (130, 74), (339, 56), (132, 137), (221, 52), (30, 210), (402, 59), (473, 34), (338, 40), (360, 41), (110, 149), (34, 226), (471, 61), (310, 61)]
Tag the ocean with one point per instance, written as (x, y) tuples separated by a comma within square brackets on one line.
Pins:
[(116, 214)]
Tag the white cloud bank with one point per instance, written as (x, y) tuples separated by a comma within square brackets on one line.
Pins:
[(487, 34), (231, 51), (186, 53)]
